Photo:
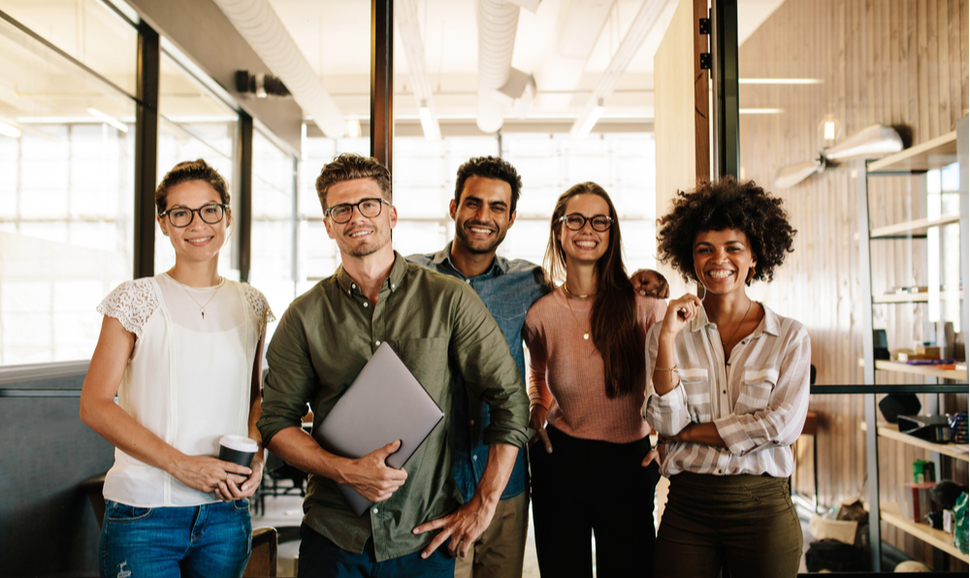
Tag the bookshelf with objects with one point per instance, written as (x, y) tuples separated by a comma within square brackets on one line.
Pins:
[(929, 354)]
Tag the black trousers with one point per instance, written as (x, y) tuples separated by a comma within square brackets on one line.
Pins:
[(589, 487)]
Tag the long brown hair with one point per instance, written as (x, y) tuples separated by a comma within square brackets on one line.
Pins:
[(614, 328)]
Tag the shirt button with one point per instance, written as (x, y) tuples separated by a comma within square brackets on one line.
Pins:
[(473, 422), (469, 281), (374, 510), (366, 305), (354, 285), (393, 286), (474, 458), (724, 392), (378, 342), (719, 471)]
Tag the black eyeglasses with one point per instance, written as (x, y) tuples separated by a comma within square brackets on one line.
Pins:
[(182, 217), (576, 222), (369, 208)]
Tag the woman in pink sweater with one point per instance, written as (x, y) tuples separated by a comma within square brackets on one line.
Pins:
[(592, 472)]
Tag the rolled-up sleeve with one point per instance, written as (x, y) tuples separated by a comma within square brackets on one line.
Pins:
[(668, 413), (291, 379), (481, 352), (781, 421)]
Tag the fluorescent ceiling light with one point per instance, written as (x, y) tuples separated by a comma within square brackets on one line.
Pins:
[(427, 124), (779, 81), (761, 110), (594, 116), (353, 126), (108, 119), (8, 130)]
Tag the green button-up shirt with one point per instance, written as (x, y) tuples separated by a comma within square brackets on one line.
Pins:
[(440, 329)]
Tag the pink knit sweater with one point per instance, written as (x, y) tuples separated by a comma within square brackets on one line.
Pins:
[(566, 371)]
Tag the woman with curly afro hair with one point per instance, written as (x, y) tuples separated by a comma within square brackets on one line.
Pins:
[(730, 382)]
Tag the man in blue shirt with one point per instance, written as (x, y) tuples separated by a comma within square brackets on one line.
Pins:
[(486, 192)]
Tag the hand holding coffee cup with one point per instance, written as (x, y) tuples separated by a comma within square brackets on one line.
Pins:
[(237, 449)]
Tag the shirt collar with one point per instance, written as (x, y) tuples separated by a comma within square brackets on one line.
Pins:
[(393, 281), (499, 266), (770, 324)]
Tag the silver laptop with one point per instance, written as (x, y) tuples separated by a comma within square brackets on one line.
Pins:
[(384, 403)]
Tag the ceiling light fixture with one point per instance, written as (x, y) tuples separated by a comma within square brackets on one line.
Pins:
[(590, 121), (761, 110), (108, 119), (780, 81), (8, 130), (353, 126), (427, 123)]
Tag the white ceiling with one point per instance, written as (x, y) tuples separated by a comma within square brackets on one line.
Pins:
[(334, 36)]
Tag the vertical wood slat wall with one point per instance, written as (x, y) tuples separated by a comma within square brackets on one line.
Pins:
[(895, 62)]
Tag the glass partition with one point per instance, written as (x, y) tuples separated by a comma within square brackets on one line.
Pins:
[(66, 182)]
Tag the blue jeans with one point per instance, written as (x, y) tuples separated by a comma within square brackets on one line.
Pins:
[(321, 558), (211, 540)]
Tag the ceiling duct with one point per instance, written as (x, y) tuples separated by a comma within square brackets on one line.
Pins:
[(259, 25), (497, 24)]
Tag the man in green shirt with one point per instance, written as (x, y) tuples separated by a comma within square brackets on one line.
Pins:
[(440, 329)]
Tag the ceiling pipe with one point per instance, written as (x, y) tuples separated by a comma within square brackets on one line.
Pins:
[(645, 20), (259, 25), (578, 27), (409, 31)]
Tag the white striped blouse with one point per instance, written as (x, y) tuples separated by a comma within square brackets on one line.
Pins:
[(757, 399)]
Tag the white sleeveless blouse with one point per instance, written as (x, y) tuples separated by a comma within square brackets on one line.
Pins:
[(188, 379)]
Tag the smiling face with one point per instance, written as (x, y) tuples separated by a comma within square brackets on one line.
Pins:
[(200, 241), (360, 236), (584, 245), (722, 260), (484, 216)]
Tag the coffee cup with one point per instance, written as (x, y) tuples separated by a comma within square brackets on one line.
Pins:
[(237, 449)]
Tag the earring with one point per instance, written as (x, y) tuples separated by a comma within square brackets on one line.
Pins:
[(751, 273), (699, 287)]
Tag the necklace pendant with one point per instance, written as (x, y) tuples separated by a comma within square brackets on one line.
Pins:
[(586, 336), (203, 313)]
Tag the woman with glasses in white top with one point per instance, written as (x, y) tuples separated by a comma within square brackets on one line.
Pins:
[(730, 383), (182, 351)]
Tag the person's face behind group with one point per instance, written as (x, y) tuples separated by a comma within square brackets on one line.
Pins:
[(585, 245), (723, 260), (484, 215), (199, 241), (360, 236)]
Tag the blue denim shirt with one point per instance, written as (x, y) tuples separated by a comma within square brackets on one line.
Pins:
[(508, 289)]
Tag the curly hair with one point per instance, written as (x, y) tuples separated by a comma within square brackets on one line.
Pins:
[(490, 168), (726, 204), (197, 170), (350, 166)]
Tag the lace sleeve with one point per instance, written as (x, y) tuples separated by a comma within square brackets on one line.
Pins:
[(132, 303), (260, 306)]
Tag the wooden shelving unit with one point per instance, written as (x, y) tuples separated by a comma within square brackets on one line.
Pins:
[(932, 154), (937, 538), (912, 228), (913, 297), (927, 370), (891, 431)]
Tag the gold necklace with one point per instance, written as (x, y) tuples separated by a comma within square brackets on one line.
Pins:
[(202, 306), (571, 294), (740, 323), (573, 313)]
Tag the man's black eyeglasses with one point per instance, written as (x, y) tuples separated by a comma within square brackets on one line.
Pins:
[(369, 208)]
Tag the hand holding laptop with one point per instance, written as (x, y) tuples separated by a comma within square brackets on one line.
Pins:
[(372, 478)]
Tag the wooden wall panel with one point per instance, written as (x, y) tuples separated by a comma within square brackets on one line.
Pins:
[(896, 62), (681, 112)]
